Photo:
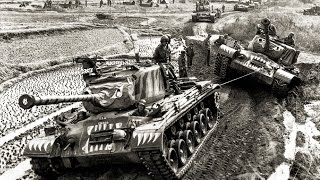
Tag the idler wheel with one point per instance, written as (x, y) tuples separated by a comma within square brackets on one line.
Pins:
[(189, 139), (209, 117), (182, 152), (179, 135), (173, 159), (181, 123), (203, 124), (189, 116), (195, 128)]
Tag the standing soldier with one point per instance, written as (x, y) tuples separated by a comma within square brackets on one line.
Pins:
[(101, 3), (223, 7), (289, 40), (182, 64), (162, 53), (86, 2), (207, 45), (190, 54)]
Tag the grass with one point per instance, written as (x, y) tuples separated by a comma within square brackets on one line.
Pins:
[(306, 29)]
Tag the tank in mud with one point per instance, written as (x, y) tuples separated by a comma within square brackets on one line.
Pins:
[(203, 12), (267, 60), (183, 113), (315, 10)]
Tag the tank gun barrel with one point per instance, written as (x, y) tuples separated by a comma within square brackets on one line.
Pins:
[(28, 101), (266, 23)]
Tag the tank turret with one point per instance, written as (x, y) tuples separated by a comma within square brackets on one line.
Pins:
[(269, 44)]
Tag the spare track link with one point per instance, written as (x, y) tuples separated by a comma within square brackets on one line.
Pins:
[(157, 165)]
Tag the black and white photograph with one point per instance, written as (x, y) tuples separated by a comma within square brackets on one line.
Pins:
[(160, 89)]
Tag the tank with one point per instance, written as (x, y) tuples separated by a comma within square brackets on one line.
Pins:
[(315, 10), (267, 60), (203, 12), (241, 7), (183, 113)]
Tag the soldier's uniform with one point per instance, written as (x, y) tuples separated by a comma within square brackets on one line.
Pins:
[(162, 53), (143, 112), (190, 54), (207, 45), (289, 40), (182, 64)]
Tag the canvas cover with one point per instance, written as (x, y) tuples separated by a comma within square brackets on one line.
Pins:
[(124, 90)]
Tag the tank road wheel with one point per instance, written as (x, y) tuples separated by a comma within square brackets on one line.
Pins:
[(189, 139), (217, 66), (187, 126), (43, 168), (280, 89), (179, 135), (210, 120), (182, 152), (173, 159), (171, 143), (195, 128), (203, 124)]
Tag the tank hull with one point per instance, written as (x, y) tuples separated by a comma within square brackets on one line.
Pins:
[(119, 138)]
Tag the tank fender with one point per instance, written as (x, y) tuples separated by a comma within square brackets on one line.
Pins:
[(285, 76), (40, 147), (227, 51)]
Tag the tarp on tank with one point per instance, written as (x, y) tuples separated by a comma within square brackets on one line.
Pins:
[(126, 88)]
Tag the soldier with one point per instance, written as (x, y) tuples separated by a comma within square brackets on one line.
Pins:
[(162, 52), (289, 40), (221, 40), (190, 54), (101, 3), (223, 7), (182, 64), (207, 45), (141, 109)]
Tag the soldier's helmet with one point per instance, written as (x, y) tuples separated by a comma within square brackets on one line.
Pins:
[(291, 34), (142, 102), (164, 38)]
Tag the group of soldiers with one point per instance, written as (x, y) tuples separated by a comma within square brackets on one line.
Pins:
[(162, 54), (289, 40)]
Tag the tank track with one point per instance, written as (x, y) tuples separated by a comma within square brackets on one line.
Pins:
[(159, 167)]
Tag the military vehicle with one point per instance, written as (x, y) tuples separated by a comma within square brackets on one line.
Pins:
[(315, 10), (183, 112), (241, 7), (267, 59), (203, 12)]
